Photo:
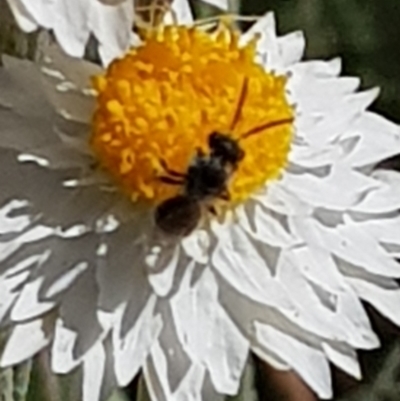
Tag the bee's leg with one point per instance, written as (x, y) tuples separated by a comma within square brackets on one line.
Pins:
[(171, 172), (200, 153), (171, 180), (212, 210), (225, 195)]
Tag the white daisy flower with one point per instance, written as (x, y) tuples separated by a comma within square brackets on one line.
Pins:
[(308, 230), (73, 21)]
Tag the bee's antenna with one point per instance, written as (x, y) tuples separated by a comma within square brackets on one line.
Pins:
[(271, 124), (242, 98)]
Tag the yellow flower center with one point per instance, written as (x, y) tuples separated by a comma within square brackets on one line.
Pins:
[(159, 104)]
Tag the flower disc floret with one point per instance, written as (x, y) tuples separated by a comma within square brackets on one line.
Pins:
[(162, 100)]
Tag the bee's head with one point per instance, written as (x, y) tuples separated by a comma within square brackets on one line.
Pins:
[(225, 147)]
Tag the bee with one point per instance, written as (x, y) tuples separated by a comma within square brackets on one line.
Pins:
[(207, 177)]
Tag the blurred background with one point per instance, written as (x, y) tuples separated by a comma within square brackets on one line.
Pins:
[(366, 35)]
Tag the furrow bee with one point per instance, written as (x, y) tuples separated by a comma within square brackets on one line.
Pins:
[(206, 178)]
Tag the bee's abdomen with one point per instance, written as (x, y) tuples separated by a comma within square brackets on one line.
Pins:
[(178, 216)]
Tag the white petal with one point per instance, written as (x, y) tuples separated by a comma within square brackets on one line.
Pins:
[(208, 334), (181, 11), (329, 126), (313, 97), (19, 270), (310, 261), (109, 382), (65, 281), (361, 335), (70, 25), (318, 318), (238, 262), (97, 366), (352, 186), (378, 139), (42, 11), (177, 360), (22, 15), (282, 200), (82, 297), (112, 27), (25, 341), (318, 68), (27, 116), (344, 357), (309, 362), (11, 223), (315, 94), (196, 246), (386, 197), (191, 315), (155, 374), (38, 185), (162, 264), (375, 258), (67, 82), (267, 45), (191, 385), (118, 274), (222, 4), (183, 379), (62, 358), (61, 268), (315, 156), (227, 355), (269, 357), (37, 233), (380, 297), (11, 283), (76, 142), (61, 68), (267, 228), (8, 296), (69, 22), (348, 308), (28, 305), (291, 48), (84, 206), (350, 243), (384, 230), (55, 156), (73, 21), (131, 349), (93, 373), (96, 179)]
